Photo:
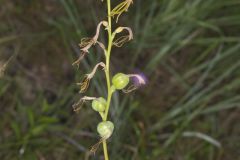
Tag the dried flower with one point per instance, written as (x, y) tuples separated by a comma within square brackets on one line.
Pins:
[(85, 82), (122, 7), (77, 106), (80, 58), (87, 43), (3, 66), (140, 81), (119, 42)]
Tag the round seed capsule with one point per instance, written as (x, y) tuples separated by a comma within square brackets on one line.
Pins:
[(120, 80), (99, 104), (105, 129)]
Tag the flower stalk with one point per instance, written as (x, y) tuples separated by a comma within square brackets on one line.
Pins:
[(118, 82), (107, 74)]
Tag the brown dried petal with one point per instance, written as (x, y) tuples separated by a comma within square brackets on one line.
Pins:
[(101, 45), (85, 42), (131, 88), (77, 106), (121, 41), (120, 8), (84, 84), (77, 62), (96, 146), (90, 75)]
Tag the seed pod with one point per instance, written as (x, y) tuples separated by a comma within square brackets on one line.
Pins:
[(99, 104), (105, 129), (120, 80)]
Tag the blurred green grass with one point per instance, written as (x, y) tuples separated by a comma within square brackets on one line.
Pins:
[(188, 50)]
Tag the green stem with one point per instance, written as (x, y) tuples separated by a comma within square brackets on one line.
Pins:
[(107, 73), (105, 150)]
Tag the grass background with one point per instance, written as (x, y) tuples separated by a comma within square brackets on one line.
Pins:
[(188, 50)]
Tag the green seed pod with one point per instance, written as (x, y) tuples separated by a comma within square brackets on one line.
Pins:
[(105, 129), (120, 80), (99, 104)]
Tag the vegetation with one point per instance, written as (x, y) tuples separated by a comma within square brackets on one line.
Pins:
[(187, 49)]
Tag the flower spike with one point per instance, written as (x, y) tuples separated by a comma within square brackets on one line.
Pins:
[(85, 83), (119, 82), (122, 7)]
